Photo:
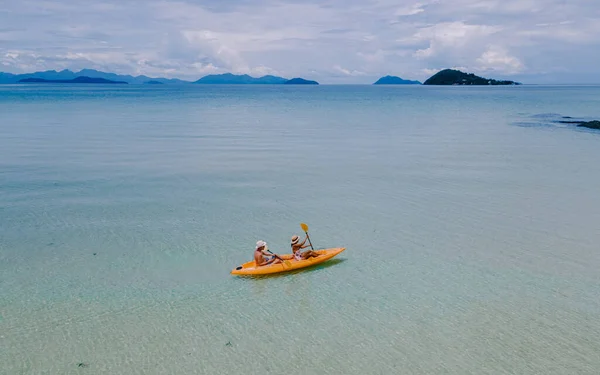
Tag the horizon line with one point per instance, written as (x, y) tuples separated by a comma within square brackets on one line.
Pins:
[(188, 80), (193, 80)]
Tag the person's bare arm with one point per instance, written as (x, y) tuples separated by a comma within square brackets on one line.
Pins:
[(260, 260), (265, 262), (304, 242)]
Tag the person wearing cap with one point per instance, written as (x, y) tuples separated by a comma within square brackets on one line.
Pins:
[(263, 259), (297, 246)]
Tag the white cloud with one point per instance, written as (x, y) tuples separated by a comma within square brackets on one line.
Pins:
[(409, 10), (497, 59), (451, 35), (348, 72)]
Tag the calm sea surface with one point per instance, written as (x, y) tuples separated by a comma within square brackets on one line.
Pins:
[(470, 216)]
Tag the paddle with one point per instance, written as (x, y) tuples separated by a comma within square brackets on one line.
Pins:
[(287, 262), (305, 229)]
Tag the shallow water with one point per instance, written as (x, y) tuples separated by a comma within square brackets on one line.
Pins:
[(470, 218)]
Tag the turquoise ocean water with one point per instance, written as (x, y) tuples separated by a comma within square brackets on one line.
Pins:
[(470, 217)]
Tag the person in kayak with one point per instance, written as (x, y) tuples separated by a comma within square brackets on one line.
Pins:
[(261, 258), (297, 246)]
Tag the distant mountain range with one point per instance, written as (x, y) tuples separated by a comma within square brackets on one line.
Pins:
[(444, 77), (393, 80), (65, 75), (68, 76), (245, 79), (82, 79)]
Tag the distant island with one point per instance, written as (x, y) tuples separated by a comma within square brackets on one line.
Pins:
[(300, 81), (75, 80), (153, 83), (393, 80), (243, 79), (456, 77)]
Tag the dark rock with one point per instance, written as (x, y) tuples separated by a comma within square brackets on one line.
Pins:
[(456, 77), (594, 124), (590, 124), (95, 253)]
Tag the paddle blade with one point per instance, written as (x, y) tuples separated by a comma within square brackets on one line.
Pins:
[(304, 227)]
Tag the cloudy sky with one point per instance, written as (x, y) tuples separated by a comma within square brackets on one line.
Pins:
[(333, 41)]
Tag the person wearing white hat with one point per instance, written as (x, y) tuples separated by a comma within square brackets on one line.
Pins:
[(297, 246), (262, 259)]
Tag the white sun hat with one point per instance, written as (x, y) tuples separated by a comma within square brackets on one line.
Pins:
[(260, 244)]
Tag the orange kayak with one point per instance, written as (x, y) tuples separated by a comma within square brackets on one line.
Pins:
[(249, 268)]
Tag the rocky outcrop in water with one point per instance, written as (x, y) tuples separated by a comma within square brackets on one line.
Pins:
[(594, 124)]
